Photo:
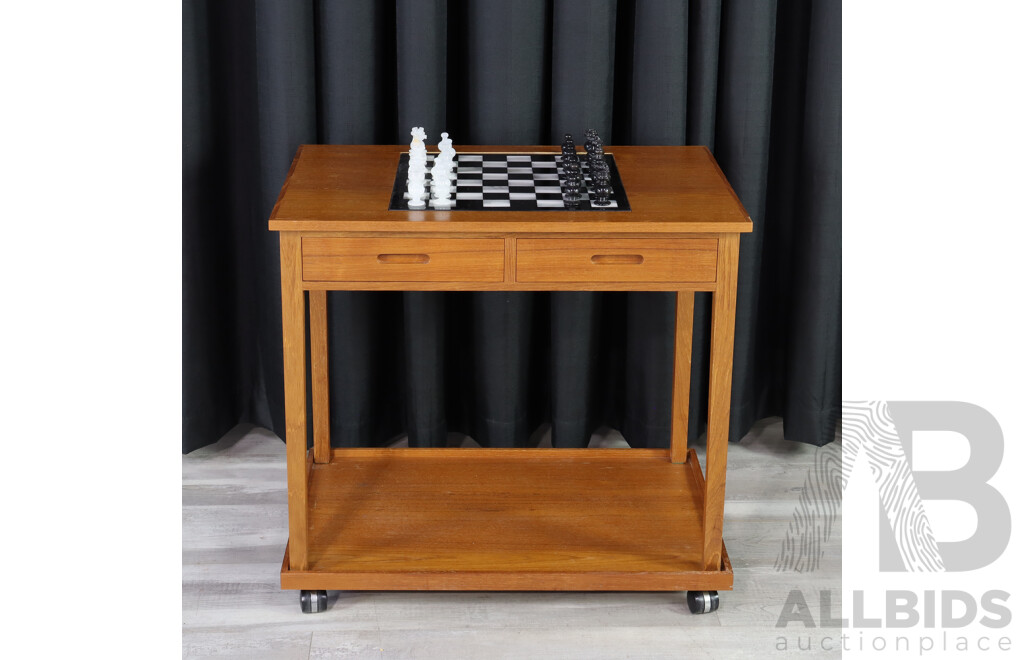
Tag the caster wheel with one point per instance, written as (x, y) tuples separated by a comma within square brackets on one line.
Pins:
[(702, 602), (313, 601)]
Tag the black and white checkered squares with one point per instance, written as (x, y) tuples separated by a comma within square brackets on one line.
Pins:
[(517, 182)]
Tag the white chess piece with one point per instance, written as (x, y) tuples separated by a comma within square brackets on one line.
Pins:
[(442, 166), (418, 147), (446, 166), (419, 138), (416, 188), (417, 168), (441, 185), (448, 153)]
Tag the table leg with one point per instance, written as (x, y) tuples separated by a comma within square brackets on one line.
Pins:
[(681, 380), (319, 366), (723, 327), (293, 322)]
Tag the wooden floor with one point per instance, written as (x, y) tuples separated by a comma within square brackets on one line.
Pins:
[(234, 524)]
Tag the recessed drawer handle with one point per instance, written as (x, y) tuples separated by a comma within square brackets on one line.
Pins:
[(617, 259), (403, 258)]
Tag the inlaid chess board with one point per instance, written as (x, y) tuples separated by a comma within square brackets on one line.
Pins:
[(516, 182)]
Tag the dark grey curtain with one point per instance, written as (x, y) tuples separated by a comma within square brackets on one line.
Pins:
[(757, 81)]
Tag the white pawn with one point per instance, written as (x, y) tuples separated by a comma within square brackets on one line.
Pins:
[(439, 180), (417, 191), (446, 166), (441, 185)]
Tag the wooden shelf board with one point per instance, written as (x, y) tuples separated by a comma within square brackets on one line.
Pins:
[(468, 519)]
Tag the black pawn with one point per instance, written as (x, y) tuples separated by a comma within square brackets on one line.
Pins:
[(572, 190), (602, 186), (572, 180), (571, 171)]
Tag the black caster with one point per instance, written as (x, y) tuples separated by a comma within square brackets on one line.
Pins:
[(702, 602), (313, 601)]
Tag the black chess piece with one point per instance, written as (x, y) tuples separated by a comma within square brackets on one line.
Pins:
[(573, 185), (602, 186), (574, 189), (568, 146), (569, 142), (572, 179)]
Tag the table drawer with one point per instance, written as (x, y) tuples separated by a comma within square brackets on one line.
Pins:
[(403, 259), (616, 260)]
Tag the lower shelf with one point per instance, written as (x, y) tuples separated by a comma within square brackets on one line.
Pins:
[(491, 520)]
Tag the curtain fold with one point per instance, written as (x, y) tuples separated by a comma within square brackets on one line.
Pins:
[(758, 82)]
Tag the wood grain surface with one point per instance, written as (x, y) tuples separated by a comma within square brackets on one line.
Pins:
[(348, 188), (388, 259), (616, 260), (293, 314), (723, 328), (682, 357), (505, 520), (320, 376)]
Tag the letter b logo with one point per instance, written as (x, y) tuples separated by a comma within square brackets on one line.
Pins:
[(966, 484)]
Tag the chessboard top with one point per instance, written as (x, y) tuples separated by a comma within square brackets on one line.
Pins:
[(349, 187)]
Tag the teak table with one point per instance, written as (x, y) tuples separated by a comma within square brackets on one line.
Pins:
[(506, 519)]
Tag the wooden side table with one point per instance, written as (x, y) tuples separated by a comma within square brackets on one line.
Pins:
[(506, 519)]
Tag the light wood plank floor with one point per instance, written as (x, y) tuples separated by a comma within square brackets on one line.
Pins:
[(234, 528)]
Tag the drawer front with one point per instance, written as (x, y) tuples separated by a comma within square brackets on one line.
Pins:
[(403, 259), (616, 260)]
